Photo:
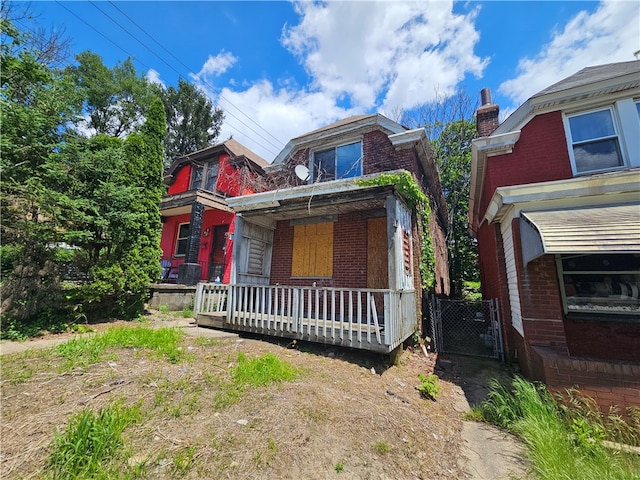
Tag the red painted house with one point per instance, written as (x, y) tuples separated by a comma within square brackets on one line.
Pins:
[(197, 221), (555, 206), (333, 254)]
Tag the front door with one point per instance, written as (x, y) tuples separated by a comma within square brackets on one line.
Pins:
[(218, 252)]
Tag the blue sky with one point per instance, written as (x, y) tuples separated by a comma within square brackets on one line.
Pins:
[(280, 69)]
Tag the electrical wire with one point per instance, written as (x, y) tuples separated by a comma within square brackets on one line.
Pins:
[(227, 122), (280, 146)]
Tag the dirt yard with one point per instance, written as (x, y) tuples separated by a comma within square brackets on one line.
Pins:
[(349, 414)]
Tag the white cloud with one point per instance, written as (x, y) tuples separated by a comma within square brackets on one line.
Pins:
[(216, 65), (281, 113), (153, 76), (384, 54), (361, 57), (610, 34)]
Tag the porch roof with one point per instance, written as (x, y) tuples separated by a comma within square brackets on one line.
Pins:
[(597, 229), (317, 199), (181, 203)]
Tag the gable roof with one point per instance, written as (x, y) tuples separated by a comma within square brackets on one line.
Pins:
[(232, 147), (590, 82), (341, 127)]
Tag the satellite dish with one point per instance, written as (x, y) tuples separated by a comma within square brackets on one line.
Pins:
[(302, 172)]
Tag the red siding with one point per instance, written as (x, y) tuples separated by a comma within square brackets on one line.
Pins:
[(182, 180), (211, 218)]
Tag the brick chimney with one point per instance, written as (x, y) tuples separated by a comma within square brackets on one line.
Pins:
[(487, 114)]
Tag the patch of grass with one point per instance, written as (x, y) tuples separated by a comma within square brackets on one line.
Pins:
[(183, 460), (559, 445), (339, 467), (263, 370), (163, 342), (20, 367), (381, 447), (187, 313), (163, 308), (90, 441), (429, 387)]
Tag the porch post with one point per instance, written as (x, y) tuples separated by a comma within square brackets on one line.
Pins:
[(392, 225), (189, 271)]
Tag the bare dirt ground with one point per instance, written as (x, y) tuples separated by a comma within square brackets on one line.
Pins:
[(349, 414)]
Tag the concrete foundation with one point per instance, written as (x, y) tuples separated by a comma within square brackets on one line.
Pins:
[(175, 297)]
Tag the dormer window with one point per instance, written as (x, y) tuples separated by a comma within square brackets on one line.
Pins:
[(594, 140), (344, 161), (204, 176)]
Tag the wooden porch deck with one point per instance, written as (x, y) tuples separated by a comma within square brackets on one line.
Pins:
[(370, 319)]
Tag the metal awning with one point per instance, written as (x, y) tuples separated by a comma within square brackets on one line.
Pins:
[(596, 229)]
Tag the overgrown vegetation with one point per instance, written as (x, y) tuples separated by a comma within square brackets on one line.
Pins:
[(89, 446), (563, 440), (81, 179)]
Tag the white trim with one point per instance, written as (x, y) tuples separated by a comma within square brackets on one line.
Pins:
[(622, 184), (512, 273)]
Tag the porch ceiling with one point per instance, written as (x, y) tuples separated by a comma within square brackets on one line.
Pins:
[(321, 205)]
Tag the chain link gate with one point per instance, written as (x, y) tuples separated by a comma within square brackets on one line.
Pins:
[(466, 327)]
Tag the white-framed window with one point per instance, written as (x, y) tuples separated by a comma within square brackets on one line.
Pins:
[(204, 176), (182, 240), (606, 284), (343, 161), (594, 140)]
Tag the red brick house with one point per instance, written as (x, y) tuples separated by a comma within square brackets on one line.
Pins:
[(197, 221), (333, 255), (555, 207)]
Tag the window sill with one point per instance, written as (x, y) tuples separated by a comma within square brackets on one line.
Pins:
[(603, 317)]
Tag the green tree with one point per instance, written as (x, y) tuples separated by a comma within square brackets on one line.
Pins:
[(68, 200), (114, 98), (452, 150), (193, 123), (450, 126), (35, 105)]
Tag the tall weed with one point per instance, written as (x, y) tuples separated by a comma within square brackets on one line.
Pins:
[(561, 442), (90, 440)]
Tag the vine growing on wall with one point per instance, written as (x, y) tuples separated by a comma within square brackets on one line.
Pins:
[(418, 202)]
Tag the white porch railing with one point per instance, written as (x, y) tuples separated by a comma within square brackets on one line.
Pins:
[(371, 319)]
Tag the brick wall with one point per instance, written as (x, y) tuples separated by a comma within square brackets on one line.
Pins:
[(381, 156), (604, 339), (609, 384), (540, 155)]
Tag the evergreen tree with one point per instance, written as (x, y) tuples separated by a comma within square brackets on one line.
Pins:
[(193, 123)]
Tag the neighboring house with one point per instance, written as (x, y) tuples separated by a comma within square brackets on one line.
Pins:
[(331, 256), (197, 222), (555, 206)]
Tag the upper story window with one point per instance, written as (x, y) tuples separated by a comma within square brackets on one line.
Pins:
[(595, 141), (344, 161), (204, 176)]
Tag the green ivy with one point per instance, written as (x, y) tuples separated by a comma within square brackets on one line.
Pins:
[(405, 185), (417, 201)]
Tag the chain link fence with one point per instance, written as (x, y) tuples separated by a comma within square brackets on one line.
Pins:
[(466, 327)]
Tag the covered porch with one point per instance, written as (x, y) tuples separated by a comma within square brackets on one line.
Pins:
[(331, 262)]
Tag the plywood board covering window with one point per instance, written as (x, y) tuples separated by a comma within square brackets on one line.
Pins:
[(312, 250)]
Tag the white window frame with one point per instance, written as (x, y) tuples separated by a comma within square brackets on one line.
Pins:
[(615, 136), (178, 239), (324, 148)]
